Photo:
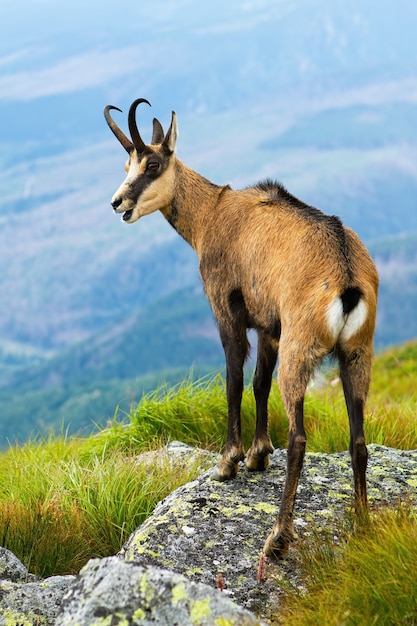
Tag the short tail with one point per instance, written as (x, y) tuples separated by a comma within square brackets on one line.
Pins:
[(347, 313), (350, 299)]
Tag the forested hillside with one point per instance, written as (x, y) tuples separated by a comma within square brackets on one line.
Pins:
[(88, 305)]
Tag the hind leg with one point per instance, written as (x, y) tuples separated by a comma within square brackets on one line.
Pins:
[(257, 457), (295, 369), (355, 374)]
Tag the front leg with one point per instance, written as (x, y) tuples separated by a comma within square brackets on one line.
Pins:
[(235, 345), (257, 458)]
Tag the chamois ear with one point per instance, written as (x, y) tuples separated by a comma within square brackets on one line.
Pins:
[(172, 135), (158, 132)]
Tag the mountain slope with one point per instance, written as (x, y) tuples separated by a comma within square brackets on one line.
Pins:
[(176, 331), (320, 96), (330, 112)]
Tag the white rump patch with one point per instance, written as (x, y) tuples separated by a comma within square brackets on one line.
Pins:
[(342, 325), (355, 320), (335, 318)]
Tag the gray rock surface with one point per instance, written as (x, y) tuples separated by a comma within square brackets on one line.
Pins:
[(207, 528), (34, 603), (11, 568), (112, 591), (205, 534)]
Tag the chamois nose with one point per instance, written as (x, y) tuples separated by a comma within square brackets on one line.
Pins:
[(116, 203)]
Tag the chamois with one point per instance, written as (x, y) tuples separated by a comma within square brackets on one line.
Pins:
[(268, 261)]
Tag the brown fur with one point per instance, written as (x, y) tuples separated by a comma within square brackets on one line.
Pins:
[(271, 262)]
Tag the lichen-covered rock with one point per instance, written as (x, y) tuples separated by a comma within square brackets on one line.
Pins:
[(212, 533), (208, 528), (178, 454), (11, 568), (112, 591), (32, 604), (25, 599)]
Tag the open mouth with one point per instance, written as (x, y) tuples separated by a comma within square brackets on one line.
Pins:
[(127, 215)]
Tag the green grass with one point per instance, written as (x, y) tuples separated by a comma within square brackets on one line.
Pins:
[(66, 499), (195, 413), (369, 579), (391, 416), (61, 503)]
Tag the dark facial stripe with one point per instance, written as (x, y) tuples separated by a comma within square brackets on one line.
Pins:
[(145, 178)]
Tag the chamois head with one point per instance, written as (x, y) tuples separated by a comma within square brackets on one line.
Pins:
[(149, 183)]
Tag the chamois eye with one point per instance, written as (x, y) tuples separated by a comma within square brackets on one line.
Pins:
[(153, 166)]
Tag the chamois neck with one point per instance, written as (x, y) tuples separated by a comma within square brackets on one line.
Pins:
[(193, 199)]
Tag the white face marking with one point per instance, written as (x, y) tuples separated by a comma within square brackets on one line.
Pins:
[(156, 194), (134, 200)]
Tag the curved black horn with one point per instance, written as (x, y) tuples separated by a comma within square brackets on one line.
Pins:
[(119, 134), (134, 133)]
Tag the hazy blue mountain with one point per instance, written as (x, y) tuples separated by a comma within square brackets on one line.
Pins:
[(322, 96), (81, 386)]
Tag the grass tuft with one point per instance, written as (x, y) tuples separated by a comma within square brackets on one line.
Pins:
[(58, 509), (192, 412), (368, 579)]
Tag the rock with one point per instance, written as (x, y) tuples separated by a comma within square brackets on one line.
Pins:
[(208, 528), (11, 568), (34, 603), (205, 534), (25, 599), (178, 454), (112, 591)]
